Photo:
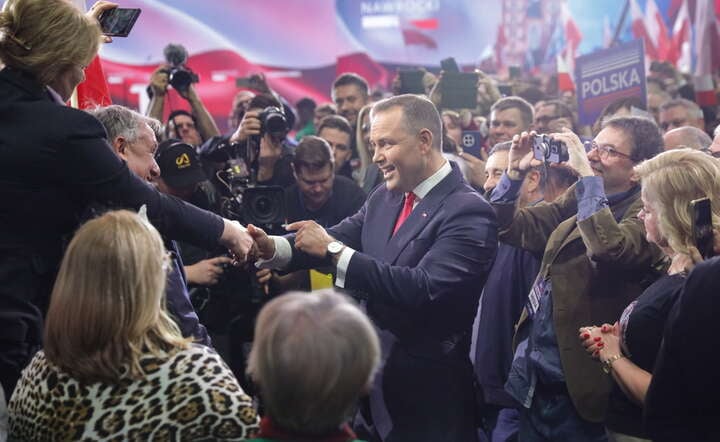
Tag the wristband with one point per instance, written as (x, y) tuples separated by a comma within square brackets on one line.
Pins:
[(607, 363)]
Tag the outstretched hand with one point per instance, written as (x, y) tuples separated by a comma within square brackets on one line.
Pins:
[(310, 238), (264, 246)]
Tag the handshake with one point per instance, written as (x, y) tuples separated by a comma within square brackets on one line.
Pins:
[(252, 243)]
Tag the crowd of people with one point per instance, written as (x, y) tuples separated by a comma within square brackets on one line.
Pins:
[(347, 271)]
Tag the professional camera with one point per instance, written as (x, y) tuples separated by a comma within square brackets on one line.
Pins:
[(243, 199), (179, 75), (272, 122), (548, 150)]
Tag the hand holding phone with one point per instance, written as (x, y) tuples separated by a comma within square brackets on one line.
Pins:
[(702, 228)]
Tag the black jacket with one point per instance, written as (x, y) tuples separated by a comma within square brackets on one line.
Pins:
[(55, 163)]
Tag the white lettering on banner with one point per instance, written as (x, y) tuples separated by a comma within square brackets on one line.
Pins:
[(399, 7), (611, 83)]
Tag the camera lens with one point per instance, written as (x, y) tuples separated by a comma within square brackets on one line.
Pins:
[(262, 206), (180, 79)]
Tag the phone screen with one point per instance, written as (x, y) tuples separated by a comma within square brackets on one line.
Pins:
[(118, 22), (449, 65), (459, 90), (411, 81), (702, 226)]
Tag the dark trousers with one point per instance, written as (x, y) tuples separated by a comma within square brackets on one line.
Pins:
[(553, 418)]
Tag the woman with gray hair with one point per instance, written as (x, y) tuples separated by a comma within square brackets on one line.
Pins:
[(314, 355)]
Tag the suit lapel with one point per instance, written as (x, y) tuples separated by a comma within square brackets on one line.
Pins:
[(419, 217)]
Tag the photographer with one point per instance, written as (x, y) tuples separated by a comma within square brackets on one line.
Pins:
[(275, 155), (183, 177), (595, 260), (193, 128)]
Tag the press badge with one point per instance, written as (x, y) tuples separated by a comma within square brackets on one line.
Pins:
[(538, 290)]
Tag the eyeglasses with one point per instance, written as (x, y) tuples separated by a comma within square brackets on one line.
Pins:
[(605, 151)]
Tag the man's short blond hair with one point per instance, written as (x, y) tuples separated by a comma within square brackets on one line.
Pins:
[(314, 355)]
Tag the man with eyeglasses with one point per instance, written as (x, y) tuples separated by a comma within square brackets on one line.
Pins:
[(552, 116), (595, 260)]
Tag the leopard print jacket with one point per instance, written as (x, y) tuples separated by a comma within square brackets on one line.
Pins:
[(192, 395)]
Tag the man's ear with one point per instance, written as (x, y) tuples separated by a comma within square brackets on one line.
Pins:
[(532, 181), (119, 145), (426, 140)]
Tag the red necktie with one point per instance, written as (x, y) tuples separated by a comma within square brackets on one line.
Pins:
[(407, 208)]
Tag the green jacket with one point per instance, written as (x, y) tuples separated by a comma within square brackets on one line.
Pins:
[(597, 267)]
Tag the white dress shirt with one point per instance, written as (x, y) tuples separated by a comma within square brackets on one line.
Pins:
[(283, 250)]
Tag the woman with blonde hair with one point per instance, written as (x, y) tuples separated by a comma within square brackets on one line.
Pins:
[(56, 166), (370, 175), (628, 349), (115, 365)]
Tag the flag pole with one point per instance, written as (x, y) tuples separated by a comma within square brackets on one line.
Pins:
[(620, 24)]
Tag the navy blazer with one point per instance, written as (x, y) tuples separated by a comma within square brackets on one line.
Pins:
[(421, 288)]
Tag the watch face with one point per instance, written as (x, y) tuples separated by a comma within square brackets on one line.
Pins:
[(335, 247)]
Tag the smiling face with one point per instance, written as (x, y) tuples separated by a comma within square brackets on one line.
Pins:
[(400, 155), (615, 170), (140, 154), (494, 168), (349, 99), (505, 124)]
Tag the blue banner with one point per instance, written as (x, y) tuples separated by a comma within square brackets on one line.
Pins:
[(606, 76)]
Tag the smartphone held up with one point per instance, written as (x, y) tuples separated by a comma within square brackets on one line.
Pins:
[(118, 22)]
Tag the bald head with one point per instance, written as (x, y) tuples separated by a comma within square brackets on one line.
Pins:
[(686, 136)]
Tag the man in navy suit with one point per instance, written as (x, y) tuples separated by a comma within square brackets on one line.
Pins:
[(418, 252)]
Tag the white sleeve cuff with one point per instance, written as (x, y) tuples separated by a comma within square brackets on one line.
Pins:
[(342, 265), (281, 258)]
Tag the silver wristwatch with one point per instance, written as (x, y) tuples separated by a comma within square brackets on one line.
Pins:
[(334, 248)]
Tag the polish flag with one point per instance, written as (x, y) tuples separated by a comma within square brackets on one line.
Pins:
[(680, 49), (573, 36), (93, 91), (639, 30), (657, 30), (565, 81), (607, 32), (500, 42), (707, 47)]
